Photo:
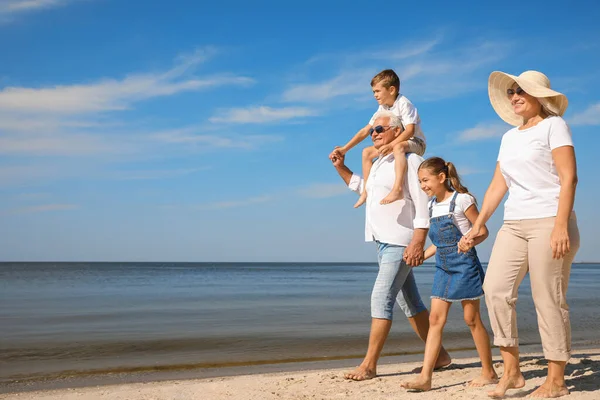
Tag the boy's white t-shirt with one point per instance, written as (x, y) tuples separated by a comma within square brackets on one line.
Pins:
[(407, 113), (526, 163), (463, 202)]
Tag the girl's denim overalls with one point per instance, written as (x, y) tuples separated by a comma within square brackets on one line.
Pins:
[(458, 276)]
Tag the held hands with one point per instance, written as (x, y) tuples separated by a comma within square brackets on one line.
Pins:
[(467, 242), (337, 152), (414, 254), (559, 241), (337, 158)]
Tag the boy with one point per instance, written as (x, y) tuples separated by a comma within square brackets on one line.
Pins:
[(386, 90)]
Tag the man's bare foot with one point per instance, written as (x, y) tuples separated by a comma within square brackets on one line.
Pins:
[(360, 373), (484, 380), (507, 382), (361, 199), (421, 384), (550, 391), (392, 197), (442, 362)]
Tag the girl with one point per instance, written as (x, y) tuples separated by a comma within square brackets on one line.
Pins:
[(459, 275)]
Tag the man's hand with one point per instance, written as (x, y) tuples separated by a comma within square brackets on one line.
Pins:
[(385, 149), (337, 158), (414, 254), (339, 151)]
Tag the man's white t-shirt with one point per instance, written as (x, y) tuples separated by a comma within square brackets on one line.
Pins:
[(407, 113), (463, 202), (526, 163)]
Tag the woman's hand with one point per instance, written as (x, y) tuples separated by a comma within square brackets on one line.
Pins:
[(468, 241), (559, 241)]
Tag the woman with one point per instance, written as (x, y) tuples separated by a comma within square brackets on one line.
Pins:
[(536, 165)]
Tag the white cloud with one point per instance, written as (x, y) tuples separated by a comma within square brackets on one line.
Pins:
[(56, 145), (156, 174), (347, 83), (483, 131), (235, 203), (427, 72), (194, 138), (261, 115), (112, 94), (45, 208), (590, 116), (323, 190), (19, 6)]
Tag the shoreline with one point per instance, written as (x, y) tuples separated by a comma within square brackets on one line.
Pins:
[(236, 381)]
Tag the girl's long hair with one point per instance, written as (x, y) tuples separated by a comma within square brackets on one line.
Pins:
[(437, 165)]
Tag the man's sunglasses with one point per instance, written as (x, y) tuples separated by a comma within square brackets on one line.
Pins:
[(510, 91), (379, 129)]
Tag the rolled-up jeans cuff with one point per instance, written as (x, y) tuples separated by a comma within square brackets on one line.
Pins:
[(506, 342)]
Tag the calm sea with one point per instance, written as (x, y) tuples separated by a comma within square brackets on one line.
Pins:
[(61, 319)]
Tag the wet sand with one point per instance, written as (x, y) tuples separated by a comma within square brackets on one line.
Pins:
[(582, 376)]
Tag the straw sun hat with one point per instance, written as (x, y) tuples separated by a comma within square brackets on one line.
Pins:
[(533, 83)]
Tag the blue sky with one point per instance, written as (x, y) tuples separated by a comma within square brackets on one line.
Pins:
[(181, 131)]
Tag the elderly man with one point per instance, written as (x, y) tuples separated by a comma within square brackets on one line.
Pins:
[(399, 229)]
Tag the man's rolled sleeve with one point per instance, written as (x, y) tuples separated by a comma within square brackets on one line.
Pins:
[(356, 183), (418, 196)]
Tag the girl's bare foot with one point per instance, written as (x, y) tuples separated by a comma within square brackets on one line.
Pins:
[(392, 197), (507, 382), (360, 373), (361, 199), (444, 360), (484, 380), (550, 390), (421, 384)]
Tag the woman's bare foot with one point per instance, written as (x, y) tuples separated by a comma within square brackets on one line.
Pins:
[(394, 195), (361, 199), (484, 380), (507, 382), (421, 384), (550, 390), (360, 373)]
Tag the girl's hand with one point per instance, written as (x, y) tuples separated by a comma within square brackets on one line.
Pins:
[(559, 241), (464, 245), (475, 232)]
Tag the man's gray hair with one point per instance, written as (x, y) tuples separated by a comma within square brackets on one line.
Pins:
[(394, 119)]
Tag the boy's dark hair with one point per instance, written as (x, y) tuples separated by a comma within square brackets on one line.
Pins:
[(388, 78)]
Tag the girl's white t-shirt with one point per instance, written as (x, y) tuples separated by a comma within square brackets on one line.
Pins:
[(527, 166), (463, 202)]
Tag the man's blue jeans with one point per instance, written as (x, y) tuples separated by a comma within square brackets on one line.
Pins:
[(395, 283)]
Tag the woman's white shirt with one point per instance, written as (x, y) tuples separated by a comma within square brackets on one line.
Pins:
[(463, 202), (527, 166)]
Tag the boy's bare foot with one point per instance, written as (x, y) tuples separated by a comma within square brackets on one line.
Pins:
[(507, 382), (360, 373), (361, 199), (421, 384), (444, 360), (484, 380), (392, 197), (550, 391)]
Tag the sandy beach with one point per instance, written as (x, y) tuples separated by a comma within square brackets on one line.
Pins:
[(583, 380)]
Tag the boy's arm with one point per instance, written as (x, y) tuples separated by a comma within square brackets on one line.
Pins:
[(407, 133), (359, 137)]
